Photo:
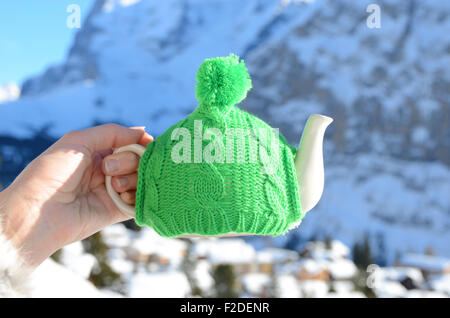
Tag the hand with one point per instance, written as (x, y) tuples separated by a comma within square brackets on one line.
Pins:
[(60, 197)]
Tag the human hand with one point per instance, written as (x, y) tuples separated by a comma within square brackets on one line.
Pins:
[(60, 197)]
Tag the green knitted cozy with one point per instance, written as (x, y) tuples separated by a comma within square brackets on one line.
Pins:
[(232, 192)]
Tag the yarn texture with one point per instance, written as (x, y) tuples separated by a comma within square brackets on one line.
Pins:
[(232, 193)]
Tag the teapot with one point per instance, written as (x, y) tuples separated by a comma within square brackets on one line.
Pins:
[(222, 171)]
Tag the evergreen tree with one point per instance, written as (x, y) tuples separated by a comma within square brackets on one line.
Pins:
[(360, 283), (188, 266), (362, 253), (102, 275), (331, 289), (397, 257), (367, 252), (225, 281), (328, 242), (293, 242), (356, 252), (273, 288), (381, 249)]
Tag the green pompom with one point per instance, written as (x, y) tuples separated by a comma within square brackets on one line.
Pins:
[(222, 82)]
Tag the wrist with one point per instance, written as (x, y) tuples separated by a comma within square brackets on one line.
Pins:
[(14, 270), (21, 226)]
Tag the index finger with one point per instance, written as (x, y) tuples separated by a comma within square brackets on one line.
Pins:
[(146, 138), (107, 136)]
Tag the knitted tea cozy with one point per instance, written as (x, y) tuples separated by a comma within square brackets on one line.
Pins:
[(183, 191)]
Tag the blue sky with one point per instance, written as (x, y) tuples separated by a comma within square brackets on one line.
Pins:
[(34, 35)]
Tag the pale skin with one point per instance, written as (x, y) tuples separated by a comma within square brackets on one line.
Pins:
[(60, 197)]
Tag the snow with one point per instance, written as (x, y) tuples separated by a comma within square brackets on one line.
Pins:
[(121, 266), (441, 283), (155, 280), (127, 3), (148, 242), (386, 283), (314, 288), (424, 294), (9, 92), (288, 287), (425, 262), (342, 269), (53, 280), (352, 294), (116, 253), (319, 250), (225, 251), (255, 283), (202, 274), (170, 284), (119, 262), (339, 269), (276, 255), (389, 289), (398, 274), (388, 198), (343, 287), (289, 268), (420, 135), (116, 235), (75, 259), (312, 266)]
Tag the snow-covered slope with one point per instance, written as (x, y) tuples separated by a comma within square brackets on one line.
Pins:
[(9, 92), (52, 280), (387, 152), (403, 206)]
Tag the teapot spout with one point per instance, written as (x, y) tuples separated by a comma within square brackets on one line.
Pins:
[(309, 161)]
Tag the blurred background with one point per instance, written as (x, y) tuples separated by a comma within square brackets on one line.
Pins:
[(382, 228)]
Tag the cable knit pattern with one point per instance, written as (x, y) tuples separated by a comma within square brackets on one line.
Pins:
[(219, 197)]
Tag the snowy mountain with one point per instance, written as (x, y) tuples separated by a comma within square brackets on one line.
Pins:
[(387, 152), (9, 92)]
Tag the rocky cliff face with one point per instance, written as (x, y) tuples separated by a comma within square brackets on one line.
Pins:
[(386, 88), (388, 149)]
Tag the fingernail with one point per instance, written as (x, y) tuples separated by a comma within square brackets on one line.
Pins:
[(138, 127), (112, 165), (122, 182)]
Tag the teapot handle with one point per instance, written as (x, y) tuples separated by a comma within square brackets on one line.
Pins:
[(122, 206)]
